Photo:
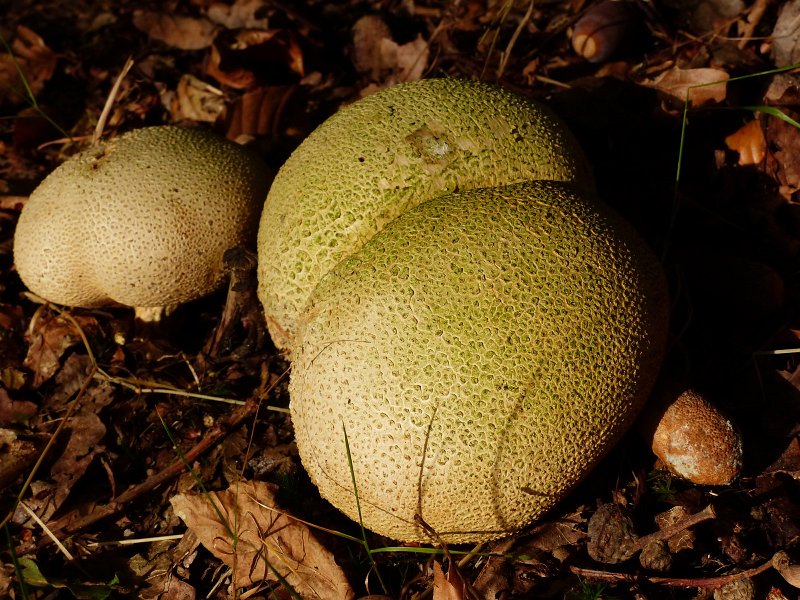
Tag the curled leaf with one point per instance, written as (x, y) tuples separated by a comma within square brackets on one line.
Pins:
[(697, 86), (245, 529)]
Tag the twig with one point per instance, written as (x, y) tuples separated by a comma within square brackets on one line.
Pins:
[(51, 442), (700, 582), (74, 521), (512, 42), (754, 16), (706, 514), (112, 96)]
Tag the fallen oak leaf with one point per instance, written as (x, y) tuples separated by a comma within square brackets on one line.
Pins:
[(448, 586), (267, 541), (378, 57), (242, 14), (86, 431), (14, 411), (243, 59), (196, 100), (258, 111), (178, 31), (699, 87), (49, 336)]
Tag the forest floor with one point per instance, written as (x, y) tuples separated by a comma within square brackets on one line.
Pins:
[(112, 435)]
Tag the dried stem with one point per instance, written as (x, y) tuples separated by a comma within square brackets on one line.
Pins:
[(706, 514), (75, 521), (700, 582)]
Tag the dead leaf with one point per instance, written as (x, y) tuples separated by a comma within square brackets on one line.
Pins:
[(368, 34), (161, 566), (197, 100), (783, 159), (14, 411), (448, 586), (788, 462), (265, 536), (412, 60), (683, 540), (69, 380), (706, 16), (257, 112), (242, 14), (377, 56), (786, 35), (31, 56), (700, 86), (178, 31), (250, 56), (552, 535), (85, 433), (17, 456), (49, 336), (749, 142), (12, 342)]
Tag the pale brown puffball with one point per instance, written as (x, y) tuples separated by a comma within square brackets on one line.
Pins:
[(142, 219), (697, 442)]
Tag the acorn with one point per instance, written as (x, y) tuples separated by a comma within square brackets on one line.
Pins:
[(604, 29)]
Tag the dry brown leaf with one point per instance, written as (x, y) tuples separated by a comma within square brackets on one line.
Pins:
[(552, 535), (49, 336), (277, 52), (85, 433), (368, 34), (14, 411), (242, 14), (377, 56), (17, 456), (257, 111), (448, 586), (786, 34), (683, 540), (749, 142), (266, 535), (703, 86), (196, 100), (706, 16), (36, 61), (178, 31), (783, 158), (412, 60)]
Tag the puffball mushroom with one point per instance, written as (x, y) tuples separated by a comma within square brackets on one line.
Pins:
[(140, 220), (385, 154), (696, 442)]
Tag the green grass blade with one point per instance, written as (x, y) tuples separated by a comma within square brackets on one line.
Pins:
[(772, 111), (23, 586), (364, 541)]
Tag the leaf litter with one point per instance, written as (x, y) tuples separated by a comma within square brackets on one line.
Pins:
[(265, 74), (245, 528)]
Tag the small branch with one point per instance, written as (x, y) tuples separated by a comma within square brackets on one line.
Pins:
[(74, 522), (700, 582), (112, 96), (706, 514)]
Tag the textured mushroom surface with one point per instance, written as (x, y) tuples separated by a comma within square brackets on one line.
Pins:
[(482, 353), (383, 155), (141, 220), (698, 442)]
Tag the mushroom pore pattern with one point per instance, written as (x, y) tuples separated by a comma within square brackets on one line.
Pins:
[(473, 336)]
